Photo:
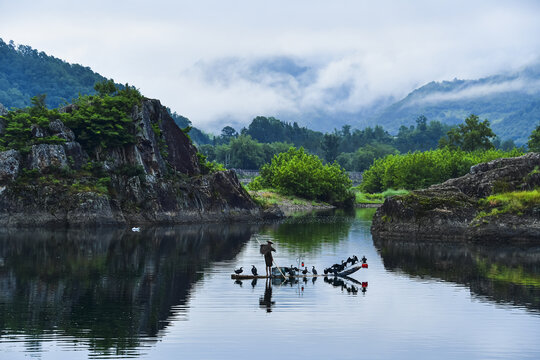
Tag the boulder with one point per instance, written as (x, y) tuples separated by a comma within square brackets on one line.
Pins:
[(10, 162), (58, 128), (452, 211), (44, 157), (38, 131)]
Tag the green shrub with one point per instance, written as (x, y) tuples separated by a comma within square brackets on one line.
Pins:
[(422, 169), (297, 173)]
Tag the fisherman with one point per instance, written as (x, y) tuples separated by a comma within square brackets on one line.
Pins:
[(266, 250)]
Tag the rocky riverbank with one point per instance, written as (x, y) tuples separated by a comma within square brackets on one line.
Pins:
[(157, 179), (461, 209)]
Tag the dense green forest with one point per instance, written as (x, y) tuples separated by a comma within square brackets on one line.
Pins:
[(353, 149), (26, 72)]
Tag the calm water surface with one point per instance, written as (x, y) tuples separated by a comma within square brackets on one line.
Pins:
[(167, 293)]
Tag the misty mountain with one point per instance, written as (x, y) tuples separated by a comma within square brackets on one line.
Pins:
[(511, 102), (26, 72)]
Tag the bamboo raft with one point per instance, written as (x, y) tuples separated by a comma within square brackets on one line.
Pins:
[(343, 273)]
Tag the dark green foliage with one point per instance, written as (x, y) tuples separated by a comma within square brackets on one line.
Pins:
[(421, 169), (469, 136), (25, 72), (243, 152), (534, 140), (330, 145), (101, 122), (424, 137), (362, 158), (18, 132), (271, 130), (208, 167), (298, 173)]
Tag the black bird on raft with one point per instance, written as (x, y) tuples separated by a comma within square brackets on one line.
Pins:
[(349, 260), (291, 272), (314, 271), (305, 271), (254, 270), (364, 259), (355, 259), (238, 271)]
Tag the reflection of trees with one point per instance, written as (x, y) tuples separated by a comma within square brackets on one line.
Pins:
[(105, 286), (309, 232), (502, 273)]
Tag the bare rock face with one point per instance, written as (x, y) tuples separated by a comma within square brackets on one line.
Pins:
[(10, 163), (450, 211), (44, 157)]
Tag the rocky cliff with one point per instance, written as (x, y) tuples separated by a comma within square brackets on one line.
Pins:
[(156, 179), (459, 209)]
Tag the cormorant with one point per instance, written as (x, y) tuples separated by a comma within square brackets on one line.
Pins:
[(305, 271), (254, 270), (314, 271), (239, 271)]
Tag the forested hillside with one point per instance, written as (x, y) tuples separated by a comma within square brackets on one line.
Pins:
[(26, 72), (511, 102)]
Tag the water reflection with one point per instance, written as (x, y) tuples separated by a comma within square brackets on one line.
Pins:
[(310, 232), (505, 274), (108, 287), (265, 301)]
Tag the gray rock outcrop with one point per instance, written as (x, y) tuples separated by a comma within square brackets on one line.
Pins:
[(452, 211), (44, 157), (156, 179), (10, 163)]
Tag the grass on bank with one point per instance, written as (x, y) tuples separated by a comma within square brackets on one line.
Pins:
[(376, 198), (269, 197), (515, 202)]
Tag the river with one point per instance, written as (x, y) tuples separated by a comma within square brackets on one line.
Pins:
[(166, 292)]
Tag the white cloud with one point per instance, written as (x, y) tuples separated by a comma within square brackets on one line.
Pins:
[(357, 51), (525, 85)]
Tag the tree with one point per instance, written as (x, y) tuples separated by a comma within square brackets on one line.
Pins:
[(297, 173), (330, 147), (470, 136), (534, 140), (421, 123), (228, 133)]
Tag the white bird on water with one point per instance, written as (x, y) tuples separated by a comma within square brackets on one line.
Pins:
[(135, 229)]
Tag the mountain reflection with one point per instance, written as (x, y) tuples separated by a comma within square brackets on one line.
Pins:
[(505, 274), (108, 287)]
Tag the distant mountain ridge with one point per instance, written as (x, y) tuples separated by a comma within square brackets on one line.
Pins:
[(511, 102)]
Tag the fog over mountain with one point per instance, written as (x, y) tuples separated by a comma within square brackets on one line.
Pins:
[(316, 62)]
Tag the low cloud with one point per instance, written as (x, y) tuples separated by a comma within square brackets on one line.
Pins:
[(524, 85)]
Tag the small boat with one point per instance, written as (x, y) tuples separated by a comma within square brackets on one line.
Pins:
[(276, 274)]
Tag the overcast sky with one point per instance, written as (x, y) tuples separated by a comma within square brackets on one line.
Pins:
[(212, 60)]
